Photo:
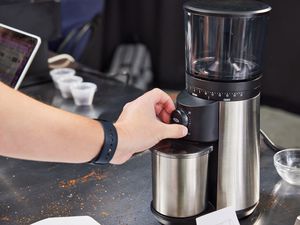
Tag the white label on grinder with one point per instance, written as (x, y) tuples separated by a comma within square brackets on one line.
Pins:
[(224, 216)]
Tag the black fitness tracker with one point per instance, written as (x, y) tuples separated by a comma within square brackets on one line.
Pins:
[(109, 144)]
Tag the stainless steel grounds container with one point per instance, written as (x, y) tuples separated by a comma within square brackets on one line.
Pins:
[(179, 178)]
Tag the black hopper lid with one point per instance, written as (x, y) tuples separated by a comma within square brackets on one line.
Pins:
[(227, 7)]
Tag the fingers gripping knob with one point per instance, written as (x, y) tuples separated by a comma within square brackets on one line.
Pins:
[(178, 116)]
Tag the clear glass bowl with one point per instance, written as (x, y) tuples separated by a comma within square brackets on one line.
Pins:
[(287, 164)]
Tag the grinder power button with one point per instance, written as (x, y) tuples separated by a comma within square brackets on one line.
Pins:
[(179, 116)]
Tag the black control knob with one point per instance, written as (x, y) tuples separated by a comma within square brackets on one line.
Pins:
[(179, 116)]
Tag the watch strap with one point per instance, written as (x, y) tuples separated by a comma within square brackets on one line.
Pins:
[(109, 144)]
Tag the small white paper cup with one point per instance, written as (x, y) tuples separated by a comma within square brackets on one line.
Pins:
[(59, 73), (83, 93), (64, 85)]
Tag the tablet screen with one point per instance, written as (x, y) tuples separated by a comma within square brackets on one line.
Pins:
[(15, 51)]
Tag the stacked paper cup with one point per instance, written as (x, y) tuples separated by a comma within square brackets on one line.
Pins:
[(70, 85)]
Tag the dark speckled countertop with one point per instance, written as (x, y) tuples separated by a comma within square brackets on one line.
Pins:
[(112, 195)]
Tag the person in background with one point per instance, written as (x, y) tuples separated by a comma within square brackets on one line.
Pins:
[(35, 131)]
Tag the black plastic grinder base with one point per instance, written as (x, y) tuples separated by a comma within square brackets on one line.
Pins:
[(166, 220)]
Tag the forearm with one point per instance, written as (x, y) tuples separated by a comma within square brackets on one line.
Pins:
[(32, 130)]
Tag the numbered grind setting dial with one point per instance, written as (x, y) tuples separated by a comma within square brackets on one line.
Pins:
[(180, 117)]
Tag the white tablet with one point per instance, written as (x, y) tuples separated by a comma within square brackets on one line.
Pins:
[(17, 50)]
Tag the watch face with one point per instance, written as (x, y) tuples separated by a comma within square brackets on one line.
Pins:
[(16, 49)]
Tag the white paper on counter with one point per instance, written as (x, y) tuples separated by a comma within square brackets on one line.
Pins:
[(226, 216), (73, 220)]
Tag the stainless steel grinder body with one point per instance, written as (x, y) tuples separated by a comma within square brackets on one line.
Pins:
[(238, 156), (233, 129)]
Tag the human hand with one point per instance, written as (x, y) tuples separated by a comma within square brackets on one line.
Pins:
[(143, 123)]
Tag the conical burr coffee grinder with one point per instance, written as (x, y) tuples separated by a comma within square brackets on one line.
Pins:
[(224, 42)]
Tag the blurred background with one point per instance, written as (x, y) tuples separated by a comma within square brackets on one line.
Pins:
[(146, 39)]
